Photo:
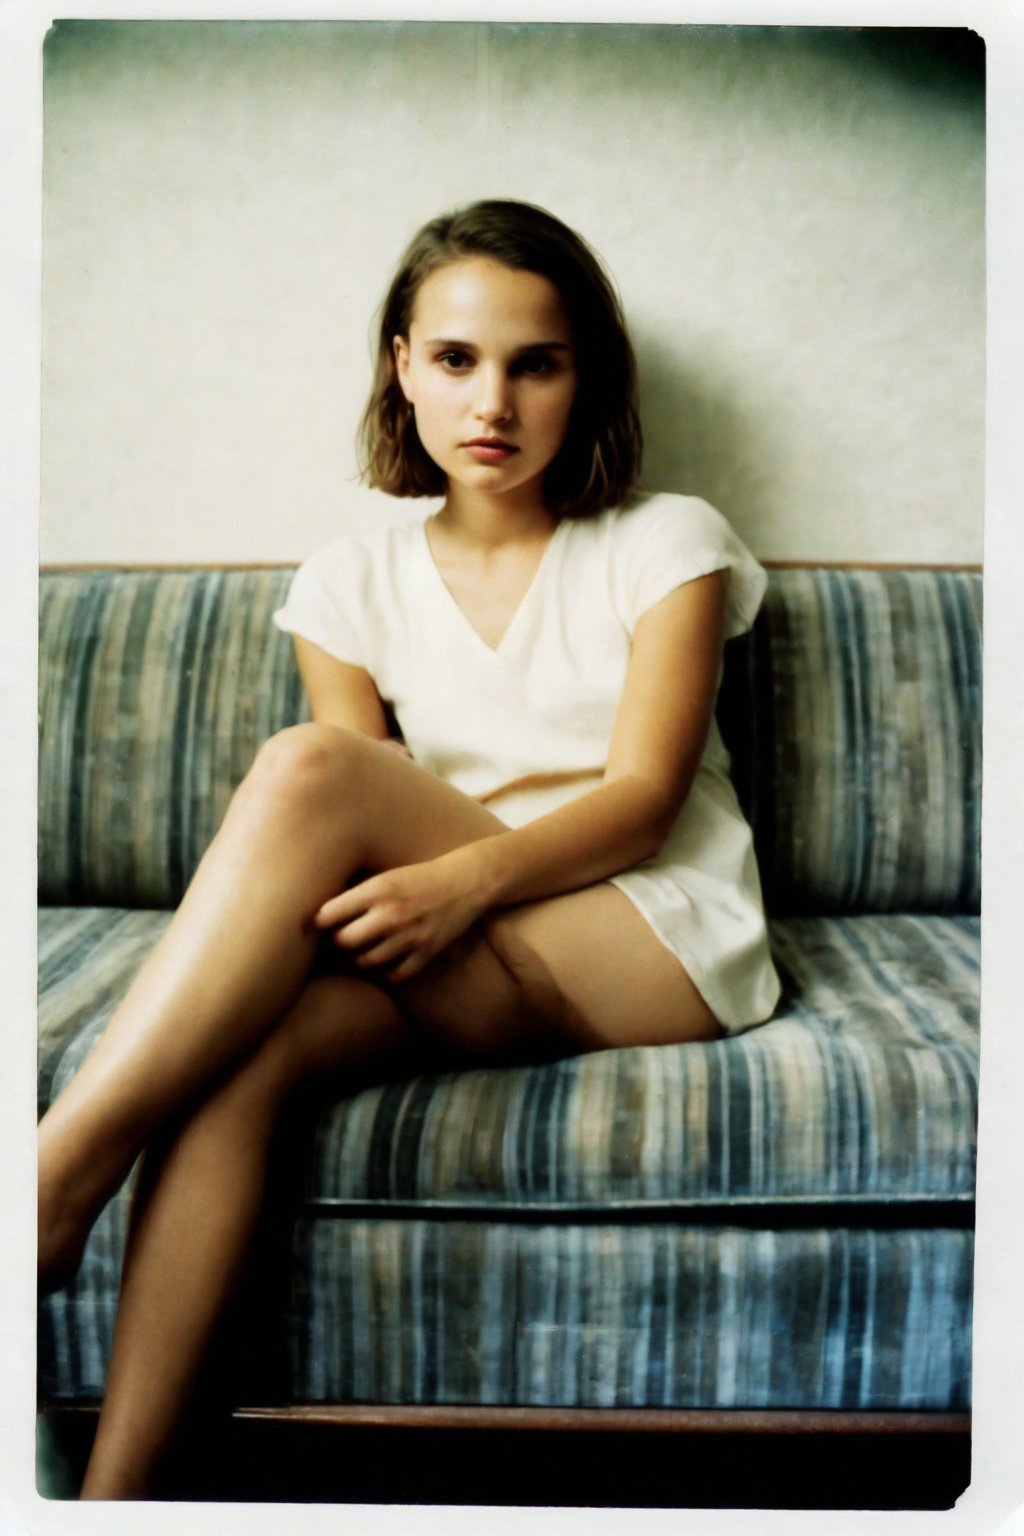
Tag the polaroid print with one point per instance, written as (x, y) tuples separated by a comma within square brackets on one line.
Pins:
[(569, 1270)]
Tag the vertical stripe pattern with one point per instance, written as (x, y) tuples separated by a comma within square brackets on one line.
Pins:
[(863, 1088), (561, 1237), (852, 713), (157, 688), (660, 1315)]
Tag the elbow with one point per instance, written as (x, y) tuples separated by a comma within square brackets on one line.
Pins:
[(654, 835), (656, 814), (648, 808), (649, 848)]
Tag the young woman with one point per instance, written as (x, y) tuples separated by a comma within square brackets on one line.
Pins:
[(552, 860)]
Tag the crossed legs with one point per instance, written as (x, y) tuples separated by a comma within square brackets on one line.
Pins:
[(196, 1205), (223, 1022), (319, 805)]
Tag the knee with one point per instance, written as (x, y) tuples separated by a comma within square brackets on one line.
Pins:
[(304, 767), (305, 756)]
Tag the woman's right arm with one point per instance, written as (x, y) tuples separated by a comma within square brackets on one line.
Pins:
[(340, 694)]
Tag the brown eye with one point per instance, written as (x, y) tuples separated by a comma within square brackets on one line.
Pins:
[(455, 362), (535, 363)]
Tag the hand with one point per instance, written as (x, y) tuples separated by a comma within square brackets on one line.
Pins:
[(396, 922)]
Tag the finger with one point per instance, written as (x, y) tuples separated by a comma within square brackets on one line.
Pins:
[(406, 969), (345, 907), (391, 950), (337, 910), (364, 930)]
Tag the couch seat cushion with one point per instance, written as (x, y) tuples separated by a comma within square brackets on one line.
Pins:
[(561, 1234), (862, 1089)]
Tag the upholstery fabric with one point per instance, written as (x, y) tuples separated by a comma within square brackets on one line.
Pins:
[(157, 688), (471, 1236), (778, 1219), (655, 1313), (619, 1316), (863, 1088), (851, 713)]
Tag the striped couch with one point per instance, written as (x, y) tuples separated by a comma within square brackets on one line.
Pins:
[(782, 1220)]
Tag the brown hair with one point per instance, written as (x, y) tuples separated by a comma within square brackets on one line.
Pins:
[(600, 458)]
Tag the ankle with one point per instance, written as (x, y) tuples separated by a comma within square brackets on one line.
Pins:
[(74, 1184), (61, 1237), (67, 1209)]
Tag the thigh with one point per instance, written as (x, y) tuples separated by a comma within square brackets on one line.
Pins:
[(579, 972), (341, 1033), (359, 800), (610, 980), (410, 813), (582, 971), (575, 973)]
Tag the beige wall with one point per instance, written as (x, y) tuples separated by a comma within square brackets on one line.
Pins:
[(794, 217)]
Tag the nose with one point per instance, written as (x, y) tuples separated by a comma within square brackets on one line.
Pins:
[(493, 402)]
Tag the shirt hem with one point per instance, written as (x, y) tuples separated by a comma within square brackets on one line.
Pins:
[(732, 1022)]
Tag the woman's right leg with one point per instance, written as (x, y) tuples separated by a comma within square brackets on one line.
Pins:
[(196, 1205), (320, 805)]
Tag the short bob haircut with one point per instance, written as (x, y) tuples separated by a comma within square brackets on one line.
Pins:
[(599, 461)]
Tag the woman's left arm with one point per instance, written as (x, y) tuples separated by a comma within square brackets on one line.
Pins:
[(660, 729)]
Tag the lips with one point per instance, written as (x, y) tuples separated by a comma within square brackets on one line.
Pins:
[(490, 450)]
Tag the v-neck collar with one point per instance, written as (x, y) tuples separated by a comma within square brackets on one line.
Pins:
[(526, 602)]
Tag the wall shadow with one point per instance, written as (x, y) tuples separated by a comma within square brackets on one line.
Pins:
[(701, 437)]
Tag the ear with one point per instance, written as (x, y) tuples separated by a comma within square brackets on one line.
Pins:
[(400, 347)]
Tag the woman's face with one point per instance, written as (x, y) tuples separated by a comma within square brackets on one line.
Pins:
[(490, 369)]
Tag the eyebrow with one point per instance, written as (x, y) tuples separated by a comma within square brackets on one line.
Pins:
[(531, 346)]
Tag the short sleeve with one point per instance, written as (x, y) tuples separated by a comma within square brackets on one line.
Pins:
[(670, 540), (325, 602)]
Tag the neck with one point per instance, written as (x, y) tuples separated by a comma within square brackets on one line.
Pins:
[(494, 520)]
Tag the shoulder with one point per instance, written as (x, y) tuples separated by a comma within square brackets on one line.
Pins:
[(341, 595), (653, 526), (646, 513), (656, 541)]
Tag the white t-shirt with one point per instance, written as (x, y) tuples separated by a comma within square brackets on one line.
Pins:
[(540, 707)]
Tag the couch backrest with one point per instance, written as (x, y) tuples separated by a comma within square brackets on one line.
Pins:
[(852, 712), (156, 689)]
